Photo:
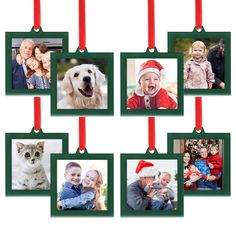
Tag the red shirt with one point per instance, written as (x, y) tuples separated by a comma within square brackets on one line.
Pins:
[(160, 100), (216, 161)]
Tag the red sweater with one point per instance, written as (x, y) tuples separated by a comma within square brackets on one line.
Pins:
[(160, 100), (216, 161)]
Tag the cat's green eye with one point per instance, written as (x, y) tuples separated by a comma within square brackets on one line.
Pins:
[(27, 154), (37, 154)]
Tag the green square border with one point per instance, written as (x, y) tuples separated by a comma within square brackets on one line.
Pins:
[(151, 55), (123, 185), (32, 135), (85, 156), (110, 104), (32, 34), (201, 35), (226, 167)]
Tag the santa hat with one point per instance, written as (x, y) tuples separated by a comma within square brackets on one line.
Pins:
[(151, 66), (146, 169)]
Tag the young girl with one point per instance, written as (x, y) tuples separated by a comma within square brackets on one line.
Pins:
[(46, 62), (89, 196), (36, 75), (197, 71), (149, 94)]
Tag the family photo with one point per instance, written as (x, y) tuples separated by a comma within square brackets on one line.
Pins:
[(30, 163), (152, 83), (82, 185), (31, 59), (82, 83), (204, 62), (203, 161), (152, 185)]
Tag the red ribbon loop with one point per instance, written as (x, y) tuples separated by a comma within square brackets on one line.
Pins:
[(37, 113), (82, 133), (198, 14), (151, 24), (198, 113), (37, 14), (82, 25), (151, 133)]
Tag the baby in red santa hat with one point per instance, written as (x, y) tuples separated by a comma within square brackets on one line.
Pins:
[(149, 94)]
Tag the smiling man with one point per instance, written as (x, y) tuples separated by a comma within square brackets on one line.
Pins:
[(19, 70)]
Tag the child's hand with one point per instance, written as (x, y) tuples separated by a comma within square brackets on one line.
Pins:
[(19, 59), (211, 166), (152, 193), (59, 205), (210, 85)]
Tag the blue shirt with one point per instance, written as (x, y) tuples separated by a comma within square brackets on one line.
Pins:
[(39, 82), (18, 76), (72, 198)]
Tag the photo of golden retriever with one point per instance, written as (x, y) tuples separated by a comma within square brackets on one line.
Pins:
[(81, 88)]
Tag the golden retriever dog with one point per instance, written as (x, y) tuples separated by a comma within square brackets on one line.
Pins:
[(82, 85)]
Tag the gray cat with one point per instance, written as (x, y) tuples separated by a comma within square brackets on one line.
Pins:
[(33, 175)]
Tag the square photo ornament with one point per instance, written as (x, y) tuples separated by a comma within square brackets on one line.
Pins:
[(207, 73), (28, 56), (28, 170), (82, 83), (82, 184), (151, 83), (151, 185), (206, 162)]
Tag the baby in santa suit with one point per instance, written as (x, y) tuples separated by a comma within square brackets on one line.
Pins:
[(149, 94)]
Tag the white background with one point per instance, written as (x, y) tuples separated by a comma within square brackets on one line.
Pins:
[(116, 26)]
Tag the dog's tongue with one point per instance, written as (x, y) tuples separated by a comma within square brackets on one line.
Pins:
[(88, 90)]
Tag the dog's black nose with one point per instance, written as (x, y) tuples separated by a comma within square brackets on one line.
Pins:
[(87, 79)]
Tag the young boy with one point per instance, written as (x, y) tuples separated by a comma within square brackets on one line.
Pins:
[(73, 190), (164, 194), (197, 71), (149, 94), (191, 174)]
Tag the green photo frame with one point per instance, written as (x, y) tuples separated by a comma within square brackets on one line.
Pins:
[(192, 143), (17, 82), (21, 158), (219, 58), (171, 84), (171, 163), (82, 83), (101, 162)]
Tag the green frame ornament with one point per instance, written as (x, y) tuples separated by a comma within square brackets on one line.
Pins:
[(179, 211), (85, 57), (9, 137), (206, 36), (226, 180), (124, 87), (85, 156), (9, 36)]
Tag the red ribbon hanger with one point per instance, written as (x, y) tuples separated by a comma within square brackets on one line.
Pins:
[(151, 134), (37, 114), (82, 133), (198, 113), (198, 14), (151, 24), (37, 14), (82, 26)]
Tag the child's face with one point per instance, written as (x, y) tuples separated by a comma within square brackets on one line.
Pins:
[(38, 54), (90, 179), (213, 150), (164, 180), (197, 52), (73, 175), (186, 158), (150, 83), (46, 63), (32, 63)]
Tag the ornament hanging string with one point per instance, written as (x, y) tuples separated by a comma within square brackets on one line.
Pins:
[(198, 113), (151, 24), (151, 133), (198, 14), (37, 114), (82, 26), (37, 14), (82, 133)]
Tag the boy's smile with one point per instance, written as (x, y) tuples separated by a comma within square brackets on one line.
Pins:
[(150, 83)]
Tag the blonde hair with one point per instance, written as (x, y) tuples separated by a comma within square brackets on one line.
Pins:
[(199, 44), (164, 173)]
